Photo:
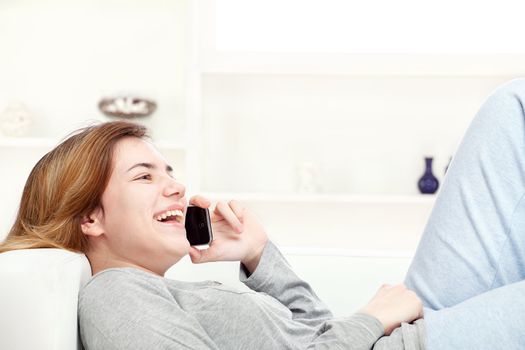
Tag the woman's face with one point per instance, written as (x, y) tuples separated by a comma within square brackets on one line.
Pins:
[(141, 188)]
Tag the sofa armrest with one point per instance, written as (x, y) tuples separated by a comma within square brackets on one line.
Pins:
[(39, 296)]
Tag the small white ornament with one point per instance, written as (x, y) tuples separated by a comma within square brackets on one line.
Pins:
[(127, 107), (15, 119), (308, 177)]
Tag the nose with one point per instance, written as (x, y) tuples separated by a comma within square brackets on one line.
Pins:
[(174, 188)]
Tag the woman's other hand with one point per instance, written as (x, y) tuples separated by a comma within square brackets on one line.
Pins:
[(237, 235), (393, 305)]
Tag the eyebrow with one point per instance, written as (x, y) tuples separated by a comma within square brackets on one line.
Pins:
[(169, 169)]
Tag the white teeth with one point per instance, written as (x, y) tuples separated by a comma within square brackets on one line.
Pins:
[(164, 215)]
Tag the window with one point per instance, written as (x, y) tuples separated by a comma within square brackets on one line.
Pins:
[(370, 26)]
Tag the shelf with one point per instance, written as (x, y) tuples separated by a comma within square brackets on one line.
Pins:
[(344, 252), (345, 225), (331, 198), (370, 65)]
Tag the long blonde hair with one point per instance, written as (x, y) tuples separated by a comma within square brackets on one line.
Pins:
[(65, 185)]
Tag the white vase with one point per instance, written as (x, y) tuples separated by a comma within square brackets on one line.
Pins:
[(308, 177), (15, 119)]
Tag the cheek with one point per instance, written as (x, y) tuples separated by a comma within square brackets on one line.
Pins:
[(136, 199), (129, 213)]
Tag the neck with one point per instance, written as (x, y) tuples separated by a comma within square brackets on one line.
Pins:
[(101, 260)]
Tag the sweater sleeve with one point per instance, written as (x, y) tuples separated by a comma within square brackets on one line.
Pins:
[(364, 332), (356, 332), (121, 311), (410, 336), (275, 277)]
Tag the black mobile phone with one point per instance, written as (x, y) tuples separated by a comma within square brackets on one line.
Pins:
[(198, 226)]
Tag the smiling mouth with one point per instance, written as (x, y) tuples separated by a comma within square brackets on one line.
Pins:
[(171, 216)]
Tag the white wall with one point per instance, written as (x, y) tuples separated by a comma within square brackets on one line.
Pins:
[(381, 26), (61, 57), (366, 134)]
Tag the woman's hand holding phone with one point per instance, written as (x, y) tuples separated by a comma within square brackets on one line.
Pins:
[(237, 235)]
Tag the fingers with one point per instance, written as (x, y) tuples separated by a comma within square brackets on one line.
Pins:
[(237, 208), (401, 292), (227, 213), (200, 201), (383, 289), (199, 256), (421, 312)]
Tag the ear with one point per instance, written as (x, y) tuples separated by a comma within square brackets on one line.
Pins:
[(92, 224)]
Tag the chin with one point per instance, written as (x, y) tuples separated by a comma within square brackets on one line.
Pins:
[(179, 247)]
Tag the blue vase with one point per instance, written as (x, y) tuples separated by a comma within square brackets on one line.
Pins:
[(428, 183)]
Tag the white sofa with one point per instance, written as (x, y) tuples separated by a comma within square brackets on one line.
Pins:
[(38, 298), (39, 288)]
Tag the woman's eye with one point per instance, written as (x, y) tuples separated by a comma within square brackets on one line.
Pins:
[(145, 177)]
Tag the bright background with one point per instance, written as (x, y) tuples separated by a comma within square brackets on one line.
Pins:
[(251, 92)]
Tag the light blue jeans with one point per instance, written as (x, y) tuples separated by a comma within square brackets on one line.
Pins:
[(469, 268)]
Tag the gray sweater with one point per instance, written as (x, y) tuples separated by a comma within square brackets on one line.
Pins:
[(128, 308)]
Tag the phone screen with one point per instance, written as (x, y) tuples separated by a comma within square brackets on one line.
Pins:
[(198, 226)]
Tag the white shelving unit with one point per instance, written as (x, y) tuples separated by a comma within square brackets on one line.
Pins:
[(335, 222), (351, 225), (324, 198), (135, 49), (206, 64), (235, 124), (232, 98), (260, 114)]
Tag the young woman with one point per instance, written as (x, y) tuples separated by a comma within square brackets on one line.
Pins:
[(107, 192)]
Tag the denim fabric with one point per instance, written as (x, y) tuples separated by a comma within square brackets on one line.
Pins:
[(469, 267)]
